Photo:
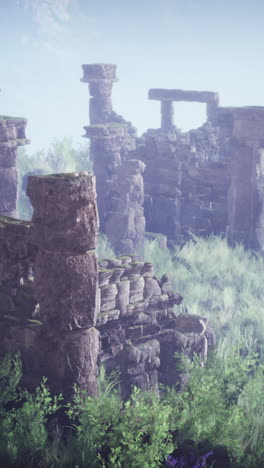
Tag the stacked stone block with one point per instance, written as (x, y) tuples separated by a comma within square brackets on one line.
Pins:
[(140, 328), (245, 198), (66, 317), (125, 227), (65, 227), (12, 135), (17, 258), (112, 138)]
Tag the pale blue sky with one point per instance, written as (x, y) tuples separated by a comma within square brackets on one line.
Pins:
[(188, 44)]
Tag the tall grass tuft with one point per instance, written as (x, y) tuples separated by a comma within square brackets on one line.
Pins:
[(220, 282)]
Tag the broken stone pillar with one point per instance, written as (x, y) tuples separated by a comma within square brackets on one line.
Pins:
[(65, 227), (106, 137), (126, 226), (112, 138), (12, 135), (100, 78), (106, 142)]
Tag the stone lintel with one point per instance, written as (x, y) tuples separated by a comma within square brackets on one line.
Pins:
[(98, 71), (181, 95)]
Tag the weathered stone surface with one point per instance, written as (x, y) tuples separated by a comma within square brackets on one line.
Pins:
[(122, 299), (12, 135), (81, 351), (17, 252), (119, 180), (65, 227), (151, 288), (189, 323), (98, 71), (8, 189), (126, 226), (56, 277)]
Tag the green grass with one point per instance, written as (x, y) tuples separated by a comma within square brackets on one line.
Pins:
[(222, 283)]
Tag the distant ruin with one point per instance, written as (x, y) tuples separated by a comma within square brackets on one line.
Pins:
[(208, 180)]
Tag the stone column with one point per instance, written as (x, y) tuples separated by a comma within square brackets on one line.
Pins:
[(245, 199), (112, 139), (100, 78), (106, 143), (12, 135), (126, 226), (65, 227), (242, 196), (167, 113)]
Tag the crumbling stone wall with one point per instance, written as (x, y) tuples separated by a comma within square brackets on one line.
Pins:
[(140, 328), (208, 180), (117, 180), (17, 259), (187, 177), (67, 317), (64, 229), (244, 128), (12, 135), (205, 181)]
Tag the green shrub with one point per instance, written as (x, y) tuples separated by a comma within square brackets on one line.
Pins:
[(222, 403), (23, 426), (116, 435)]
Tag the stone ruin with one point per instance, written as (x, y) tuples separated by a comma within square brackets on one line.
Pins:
[(68, 315), (119, 178), (12, 135), (205, 181)]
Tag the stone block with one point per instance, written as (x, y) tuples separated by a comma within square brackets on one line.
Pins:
[(60, 225), (8, 157), (151, 329), (134, 332), (8, 189), (190, 323), (98, 71), (151, 288), (80, 354), (123, 294), (66, 288)]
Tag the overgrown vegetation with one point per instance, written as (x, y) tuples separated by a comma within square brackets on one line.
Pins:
[(221, 404), (218, 282)]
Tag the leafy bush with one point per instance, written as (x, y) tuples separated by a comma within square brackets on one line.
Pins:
[(222, 403), (116, 434), (23, 426)]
